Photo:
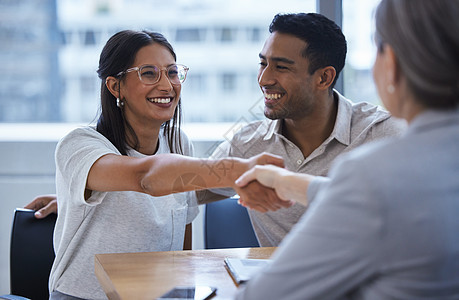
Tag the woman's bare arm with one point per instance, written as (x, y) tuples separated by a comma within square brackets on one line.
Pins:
[(164, 174)]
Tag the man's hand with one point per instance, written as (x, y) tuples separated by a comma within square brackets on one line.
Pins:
[(258, 197), (44, 205)]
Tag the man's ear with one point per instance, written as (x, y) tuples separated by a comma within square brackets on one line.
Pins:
[(113, 85), (325, 77)]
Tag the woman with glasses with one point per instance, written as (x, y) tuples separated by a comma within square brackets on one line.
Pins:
[(119, 183), (385, 225)]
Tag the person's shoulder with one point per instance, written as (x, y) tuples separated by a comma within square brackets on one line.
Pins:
[(81, 132), (179, 136), (369, 115), (368, 111), (86, 135), (247, 139), (254, 129), (183, 136), (186, 143), (372, 157), (382, 152)]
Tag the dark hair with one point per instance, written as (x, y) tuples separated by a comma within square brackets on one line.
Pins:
[(118, 55), (326, 44), (425, 40)]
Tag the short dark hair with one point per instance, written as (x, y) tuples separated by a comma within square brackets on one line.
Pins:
[(118, 55), (326, 44)]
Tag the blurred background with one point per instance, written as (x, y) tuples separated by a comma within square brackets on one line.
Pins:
[(49, 52)]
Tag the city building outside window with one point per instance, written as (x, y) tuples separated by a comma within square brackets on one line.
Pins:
[(219, 40), (61, 40), (358, 27)]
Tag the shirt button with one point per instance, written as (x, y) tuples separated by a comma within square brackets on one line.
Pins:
[(299, 161)]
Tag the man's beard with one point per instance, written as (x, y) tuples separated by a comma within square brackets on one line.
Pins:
[(277, 112)]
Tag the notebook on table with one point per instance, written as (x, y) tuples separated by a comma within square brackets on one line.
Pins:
[(242, 269)]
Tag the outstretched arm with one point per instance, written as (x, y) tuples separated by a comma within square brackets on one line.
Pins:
[(168, 174), (164, 174)]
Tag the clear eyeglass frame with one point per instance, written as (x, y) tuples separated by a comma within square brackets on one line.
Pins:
[(176, 74)]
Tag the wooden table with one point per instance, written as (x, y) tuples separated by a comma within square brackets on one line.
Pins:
[(148, 275)]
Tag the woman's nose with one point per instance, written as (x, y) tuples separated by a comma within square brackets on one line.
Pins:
[(164, 82)]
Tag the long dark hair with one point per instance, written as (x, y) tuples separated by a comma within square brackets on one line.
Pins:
[(118, 55)]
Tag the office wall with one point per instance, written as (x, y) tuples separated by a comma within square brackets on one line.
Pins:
[(27, 169)]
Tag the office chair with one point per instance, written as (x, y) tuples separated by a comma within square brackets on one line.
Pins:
[(227, 225), (31, 255)]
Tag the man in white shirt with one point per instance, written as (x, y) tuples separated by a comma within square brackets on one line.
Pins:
[(309, 123)]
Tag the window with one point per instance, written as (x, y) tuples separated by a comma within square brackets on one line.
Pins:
[(229, 82), (66, 37), (88, 37), (190, 34), (254, 34), (358, 27), (226, 34), (88, 85), (61, 42), (29, 73), (196, 83)]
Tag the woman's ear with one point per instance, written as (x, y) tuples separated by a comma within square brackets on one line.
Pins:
[(113, 85), (391, 65), (326, 76)]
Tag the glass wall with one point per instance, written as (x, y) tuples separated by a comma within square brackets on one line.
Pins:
[(358, 27), (29, 73), (49, 51)]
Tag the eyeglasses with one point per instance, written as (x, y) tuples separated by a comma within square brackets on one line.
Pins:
[(150, 74)]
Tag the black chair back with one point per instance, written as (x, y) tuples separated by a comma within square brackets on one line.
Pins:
[(31, 254)]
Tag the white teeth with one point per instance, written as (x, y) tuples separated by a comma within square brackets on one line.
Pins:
[(159, 100), (272, 96)]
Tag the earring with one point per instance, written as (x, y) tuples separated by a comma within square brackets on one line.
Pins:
[(119, 103), (390, 88)]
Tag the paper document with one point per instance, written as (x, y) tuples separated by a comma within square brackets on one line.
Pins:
[(243, 269)]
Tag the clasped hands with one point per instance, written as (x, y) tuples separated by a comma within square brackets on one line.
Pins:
[(267, 186), (253, 193)]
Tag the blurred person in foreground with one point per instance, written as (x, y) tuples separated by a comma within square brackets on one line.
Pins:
[(385, 224)]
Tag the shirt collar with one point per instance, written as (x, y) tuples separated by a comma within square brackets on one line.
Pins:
[(274, 127), (342, 129)]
